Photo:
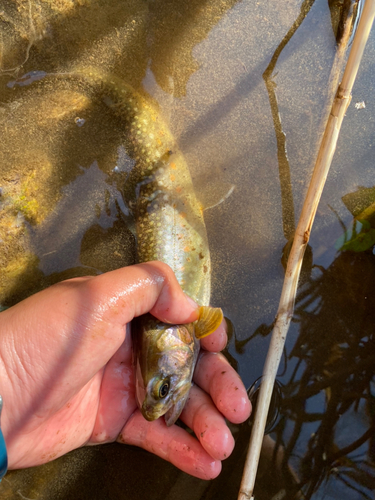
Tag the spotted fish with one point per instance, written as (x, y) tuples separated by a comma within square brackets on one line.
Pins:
[(170, 228)]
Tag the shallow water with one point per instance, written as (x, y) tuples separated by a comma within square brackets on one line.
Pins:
[(203, 63)]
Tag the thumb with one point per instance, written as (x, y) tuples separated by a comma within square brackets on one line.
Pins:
[(135, 290)]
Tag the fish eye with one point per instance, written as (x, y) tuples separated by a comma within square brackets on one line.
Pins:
[(161, 388), (164, 388)]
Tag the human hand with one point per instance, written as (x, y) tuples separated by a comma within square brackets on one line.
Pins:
[(67, 380)]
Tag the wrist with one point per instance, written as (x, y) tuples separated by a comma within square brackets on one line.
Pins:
[(6, 391), (3, 450)]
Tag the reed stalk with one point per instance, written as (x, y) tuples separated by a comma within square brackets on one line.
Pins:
[(301, 238)]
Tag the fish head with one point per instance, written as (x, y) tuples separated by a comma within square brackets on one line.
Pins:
[(164, 370), (171, 405), (165, 359)]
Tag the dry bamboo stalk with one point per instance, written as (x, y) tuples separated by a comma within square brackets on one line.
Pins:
[(288, 294)]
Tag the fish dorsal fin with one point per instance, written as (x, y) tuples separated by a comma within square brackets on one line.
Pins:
[(209, 319)]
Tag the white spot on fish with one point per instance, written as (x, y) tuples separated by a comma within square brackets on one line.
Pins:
[(79, 121)]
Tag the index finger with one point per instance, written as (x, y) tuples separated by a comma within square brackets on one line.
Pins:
[(217, 340), (217, 378)]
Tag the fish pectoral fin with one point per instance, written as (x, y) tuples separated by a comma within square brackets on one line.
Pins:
[(209, 319)]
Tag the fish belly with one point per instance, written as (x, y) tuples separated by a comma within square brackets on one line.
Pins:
[(170, 226)]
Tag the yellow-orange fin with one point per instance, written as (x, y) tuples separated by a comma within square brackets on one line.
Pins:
[(209, 319)]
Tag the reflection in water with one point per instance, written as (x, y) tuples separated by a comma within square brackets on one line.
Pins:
[(284, 169), (340, 11), (327, 419), (275, 403), (335, 354), (343, 14)]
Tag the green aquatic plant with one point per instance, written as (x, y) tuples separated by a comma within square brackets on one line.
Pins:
[(359, 238)]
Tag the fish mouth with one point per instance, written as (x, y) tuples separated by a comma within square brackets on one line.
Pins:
[(149, 414), (152, 412), (170, 410)]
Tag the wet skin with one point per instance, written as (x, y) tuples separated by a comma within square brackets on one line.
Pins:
[(67, 381)]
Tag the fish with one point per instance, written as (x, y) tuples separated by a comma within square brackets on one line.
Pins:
[(169, 227)]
